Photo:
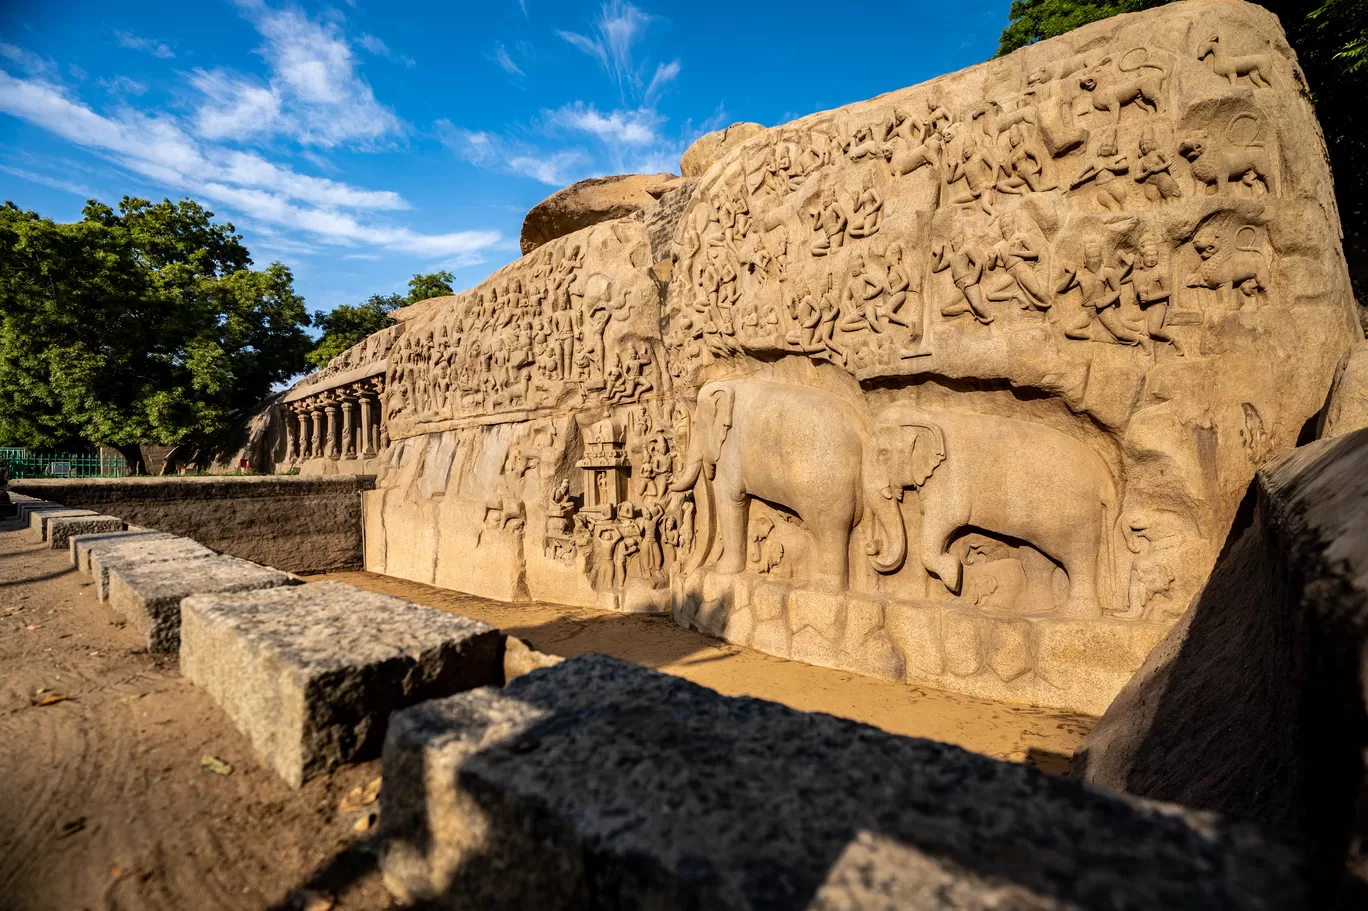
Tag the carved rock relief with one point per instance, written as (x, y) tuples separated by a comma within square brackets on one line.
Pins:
[(959, 386)]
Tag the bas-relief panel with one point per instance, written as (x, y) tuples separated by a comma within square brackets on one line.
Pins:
[(961, 385)]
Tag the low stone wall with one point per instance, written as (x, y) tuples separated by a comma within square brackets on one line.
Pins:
[(1253, 706), (301, 525)]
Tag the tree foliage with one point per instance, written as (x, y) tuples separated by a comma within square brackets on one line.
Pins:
[(348, 324), (1030, 21), (145, 324), (434, 284)]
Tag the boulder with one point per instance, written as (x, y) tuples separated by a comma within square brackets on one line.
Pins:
[(709, 147), (1347, 408), (590, 202)]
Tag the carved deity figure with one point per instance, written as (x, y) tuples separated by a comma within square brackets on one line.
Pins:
[(1106, 165), (867, 218), (1101, 290), (829, 222), (978, 169), (1017, 257), (1149, 277), (966, 269), (1023, 170), (1154, 170)]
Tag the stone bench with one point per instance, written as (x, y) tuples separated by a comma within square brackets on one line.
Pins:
[(62, 529), (150, 594), (41, 520), (311, 673), (139, 553), (601, 784), (80, 545)]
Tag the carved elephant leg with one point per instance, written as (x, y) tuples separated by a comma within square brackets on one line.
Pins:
[(831, 559), (732, 509), (936, 557), (1081, 566)]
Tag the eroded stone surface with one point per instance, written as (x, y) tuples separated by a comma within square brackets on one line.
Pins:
[(61, 529), (709, 147), (590, 202), (80, 545), (311, 673), (105, 556), (1347, 408), (40, 520), (598, 784), (150, 594)]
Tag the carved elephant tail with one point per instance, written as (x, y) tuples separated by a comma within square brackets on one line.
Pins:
[(1110, 585)]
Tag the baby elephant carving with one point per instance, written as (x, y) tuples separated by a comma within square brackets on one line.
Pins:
[(1005, 477)]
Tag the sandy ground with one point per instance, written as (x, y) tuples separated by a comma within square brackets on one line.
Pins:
[(106, 804)]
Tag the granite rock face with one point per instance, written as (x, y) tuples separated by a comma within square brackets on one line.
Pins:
[(150, 594), (600, 784), (1347, 408), (591, 202), (311, 673), (1253, 705), (107, 556), (710, 147)]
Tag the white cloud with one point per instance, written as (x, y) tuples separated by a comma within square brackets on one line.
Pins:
[(619, 26), (559, 169), (380, 49), (161, 150), (122, 85), (500, 56), (26, 60), (629, 127), (665, 74), (150, 45), (485, 150), (55, 182), (314, 94)]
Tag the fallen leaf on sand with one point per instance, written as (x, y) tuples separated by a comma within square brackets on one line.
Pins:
[(215, 765), (51, 700), (309, 900), (358, 798)]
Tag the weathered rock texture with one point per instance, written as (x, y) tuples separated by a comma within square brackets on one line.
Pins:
[(40, 520), (157, 548), (1347, 408), (709, 147), (600, 784), (1253, 705), (62, 529), (311, 673), (960, 386), (150, 594), (305, 525), (80, 545), (589, 203)]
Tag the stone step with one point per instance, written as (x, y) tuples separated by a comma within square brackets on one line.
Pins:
[(25, 510), (62, 529), (137, 553), (600, 784), (39, 520), (150, 594), (80, 545), (311, 673)]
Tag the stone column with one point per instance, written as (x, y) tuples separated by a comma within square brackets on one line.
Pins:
[(367, 437), (331, 449), (381, 430), (301, 416), (348, 429), (318, 431), (289, 434)]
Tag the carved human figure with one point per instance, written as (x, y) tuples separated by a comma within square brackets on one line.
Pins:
[(1153, 170), (867, 217), (1017, 257), (1149, 277), (1107, 164), (978, 169), (1023, 170), (966, 269), (893, 306), (829, 222), (800, 447), (1100, 287), (1006, 477), (862, 289)]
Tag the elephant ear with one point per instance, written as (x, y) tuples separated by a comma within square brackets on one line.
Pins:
[(720, 403), (928, 451)]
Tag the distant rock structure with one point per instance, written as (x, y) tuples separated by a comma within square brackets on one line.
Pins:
[(591, 202), (961, 386)]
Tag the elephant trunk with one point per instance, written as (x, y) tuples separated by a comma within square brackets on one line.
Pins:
[(883, 504), (685, 480)]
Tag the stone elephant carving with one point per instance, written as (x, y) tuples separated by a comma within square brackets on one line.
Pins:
[(799, 447), (1006, 477)]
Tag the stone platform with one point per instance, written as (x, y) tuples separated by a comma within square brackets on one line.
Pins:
[(150, 594), (40, 520), (61, 529), (600, 784), (310, 674), (142, 551)]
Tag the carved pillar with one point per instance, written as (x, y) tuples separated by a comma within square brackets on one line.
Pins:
[(348, 431), (331, 448), (381, 421), (317, 448), (367, 437), (301, 417), (290, 441)]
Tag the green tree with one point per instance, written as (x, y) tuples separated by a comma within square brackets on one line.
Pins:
[(1029, 21), (143, 325), (435, 284), (348, 324)]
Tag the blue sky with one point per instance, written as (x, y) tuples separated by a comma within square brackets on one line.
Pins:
[(360, 142)]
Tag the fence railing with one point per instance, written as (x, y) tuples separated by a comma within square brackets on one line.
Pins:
[(25, 463)]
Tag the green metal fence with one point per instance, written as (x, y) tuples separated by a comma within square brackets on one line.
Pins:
[(25, 463)]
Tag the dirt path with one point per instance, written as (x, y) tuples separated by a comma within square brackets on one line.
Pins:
[(1018, 733), (105, 804)]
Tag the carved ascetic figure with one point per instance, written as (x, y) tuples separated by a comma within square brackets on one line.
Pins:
[(799, 447), (1003, 476)]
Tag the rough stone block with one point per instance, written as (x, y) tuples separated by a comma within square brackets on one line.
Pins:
[(80, 545), (150, 594), (600, 784), (63, 528), (133, 553), (40, 520), (27, 509), (311, 673)]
